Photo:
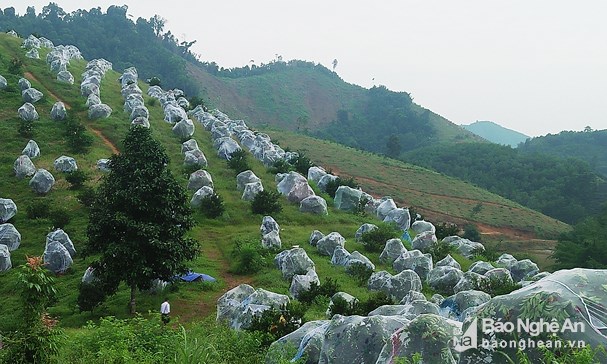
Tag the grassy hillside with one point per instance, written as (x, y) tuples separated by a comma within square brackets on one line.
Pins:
[(438, 197), (496, 133)]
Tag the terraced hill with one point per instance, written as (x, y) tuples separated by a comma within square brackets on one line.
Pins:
[(437, 196)]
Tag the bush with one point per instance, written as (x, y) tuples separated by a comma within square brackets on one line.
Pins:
[(39, 209), (26, 129), (76, 179), (445, 229), (89, 297), (362, 308), (301, 163), (361, 273), (15, 67), (471, 233), (78, 139), (86, 196), (212, 206), (498, 286), (60, 218), (151, 102), (327, 289), (333, 185), (155, 81), (266, 202), (375, 240), (238, 161), (248, 257), (440, 250), (280, 166), (276, 323)]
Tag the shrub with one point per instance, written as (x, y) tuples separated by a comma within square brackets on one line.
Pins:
[(238, 161), (151, 102), (360, 207), (301, 163), (212, 206), (278, 322), (375, 240), (440, 250), (333, 185), (327, 289), (60, 218), (15, 66), (76, 179), (266, 202), (374, 301), (445, 229), (248, 257), (89, 297), (471, 233), (361, 273), (39, 209), (78, 139), (280, 166), (488, 254), (498, 286), (155, 81), (26, 128), (362, 308), (86, 196)]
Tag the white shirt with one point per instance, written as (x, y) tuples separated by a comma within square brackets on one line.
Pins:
[(165, 307)]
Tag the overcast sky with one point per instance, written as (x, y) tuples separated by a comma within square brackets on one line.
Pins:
[(535, 66)]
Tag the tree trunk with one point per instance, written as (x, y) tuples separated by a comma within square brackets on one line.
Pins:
[(132, 303)]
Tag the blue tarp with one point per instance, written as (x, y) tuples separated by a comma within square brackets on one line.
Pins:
[(191, 277)]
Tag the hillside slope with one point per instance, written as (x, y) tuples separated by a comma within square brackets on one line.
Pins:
[(496, 133), (431, 193), (589, 146)]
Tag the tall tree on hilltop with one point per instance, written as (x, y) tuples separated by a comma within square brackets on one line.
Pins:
[(393, 147), (139, 219)]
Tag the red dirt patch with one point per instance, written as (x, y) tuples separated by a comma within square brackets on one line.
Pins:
[(106, 141)]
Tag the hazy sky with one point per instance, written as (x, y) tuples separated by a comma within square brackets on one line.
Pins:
[(536, 66)]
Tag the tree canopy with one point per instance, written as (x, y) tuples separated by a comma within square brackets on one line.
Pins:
[(585, 246), (139, 219)]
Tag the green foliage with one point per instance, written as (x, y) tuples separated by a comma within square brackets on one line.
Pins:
[(567, 190), (90, 296), (393, 147), (375, 240), (361, 273), (155, 81), (212, 206), (414, 359), (76, 179), (238, 161), (471, 233), (38, 209), (78, 139), (280, 166), (137, 340), (360, 208), (499, 286), (278, 322), (445, 229), (333, 185), (15, 67), (585, 246), (86, 196), (37, 340), (440, 250), (139, 219), (327, 289), (266, 203), (248, 257), (301, 163), (362, 308), (26, 128), (60, 217)]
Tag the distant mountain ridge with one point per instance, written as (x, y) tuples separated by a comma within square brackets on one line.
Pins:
[(496, 133)]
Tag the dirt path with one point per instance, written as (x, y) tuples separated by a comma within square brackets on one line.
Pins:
[(105, 140), (30, 76)]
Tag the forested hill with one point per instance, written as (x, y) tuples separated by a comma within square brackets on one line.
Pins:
[(589, 146), (496, 133), (566, 189), (296, 95)]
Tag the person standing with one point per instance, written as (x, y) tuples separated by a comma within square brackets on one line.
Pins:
[(165, 310)]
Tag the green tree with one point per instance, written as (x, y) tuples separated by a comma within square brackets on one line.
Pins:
[(139, 219), (585, 246), (393, 147)]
